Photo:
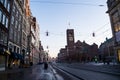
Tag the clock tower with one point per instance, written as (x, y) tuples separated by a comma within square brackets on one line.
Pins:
[(70, 37), (70, 44)]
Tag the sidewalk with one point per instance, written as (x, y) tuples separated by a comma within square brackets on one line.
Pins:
[(109, 69), (13, 74), (35, 72)]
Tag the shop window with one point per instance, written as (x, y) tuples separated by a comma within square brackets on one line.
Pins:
[(14, 48), (119, 55), (2, 62), (17, 50), (117, 27)]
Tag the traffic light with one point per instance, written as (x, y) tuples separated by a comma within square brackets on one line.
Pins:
[(93, 34), (47, 33)]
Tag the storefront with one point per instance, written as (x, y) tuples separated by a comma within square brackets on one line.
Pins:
[(2, 62), (15, 60), (4, 56), (119, 55)]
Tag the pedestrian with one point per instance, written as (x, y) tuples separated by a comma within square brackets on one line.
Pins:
[(104, 60), (45, 65)]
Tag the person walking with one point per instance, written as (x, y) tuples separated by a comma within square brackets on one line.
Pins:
[(45, 65)]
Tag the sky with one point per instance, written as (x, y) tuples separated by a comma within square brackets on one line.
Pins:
[(84, 16)]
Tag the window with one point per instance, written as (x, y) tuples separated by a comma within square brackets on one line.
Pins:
[(19, 27), (25, 27), (11, 33), (8, 6), (115, 17), (2, 36), (18, 36), (5, 3), (3, 20), (15, 35), (117, 27), (0, 15), (14, 48), (16, 24), (17, 50), (5, 39), (2, 1), (20, 18), (16, 13), (6, 22), (13, 8), (12, 20)]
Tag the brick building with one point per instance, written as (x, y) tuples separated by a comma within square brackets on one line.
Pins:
[(77, 52)]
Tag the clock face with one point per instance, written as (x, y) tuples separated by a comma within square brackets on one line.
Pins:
[(70, 38)]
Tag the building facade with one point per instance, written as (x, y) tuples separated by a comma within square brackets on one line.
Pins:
[(4, 30), (114, 14), (77, 51), (34, 41), (106, 50), (16, 32), (19, 34)]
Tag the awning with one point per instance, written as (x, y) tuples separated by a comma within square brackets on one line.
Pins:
[(7, 52), (20, 56), (17, 56), (14, 55)]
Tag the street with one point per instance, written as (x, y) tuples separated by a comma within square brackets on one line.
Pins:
[(36, 72), (64, 71), (91, 72)]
